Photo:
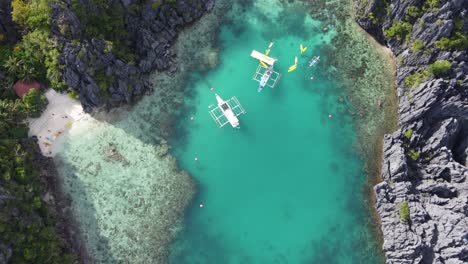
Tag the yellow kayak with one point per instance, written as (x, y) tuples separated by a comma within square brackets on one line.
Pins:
[(303, 49), (263, 64), (292, 68)]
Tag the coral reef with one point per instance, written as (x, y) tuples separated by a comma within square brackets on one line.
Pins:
[(126, 189)]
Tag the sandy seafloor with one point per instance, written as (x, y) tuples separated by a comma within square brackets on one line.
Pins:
[(286, 188)]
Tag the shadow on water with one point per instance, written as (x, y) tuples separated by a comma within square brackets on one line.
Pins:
[(332, 248), (86, 214)]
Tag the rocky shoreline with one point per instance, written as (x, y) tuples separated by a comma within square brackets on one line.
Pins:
[(104, 76), (137, 224), (91, 63), (423, 199), (58, 203)]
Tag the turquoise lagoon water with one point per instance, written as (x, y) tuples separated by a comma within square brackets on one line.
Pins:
[(287, 186)]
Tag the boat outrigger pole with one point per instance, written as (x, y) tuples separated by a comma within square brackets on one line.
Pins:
[(227, 112), (265, 74), (314, 61)]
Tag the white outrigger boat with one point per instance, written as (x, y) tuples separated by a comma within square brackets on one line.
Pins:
[(265, 77), (227, 112), (314, 61), (265, 74)]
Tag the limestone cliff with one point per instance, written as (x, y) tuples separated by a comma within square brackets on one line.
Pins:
[(8, 30), (425, 162), (110, 47)]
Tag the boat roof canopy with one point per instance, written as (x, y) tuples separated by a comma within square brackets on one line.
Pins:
[(262, 57)]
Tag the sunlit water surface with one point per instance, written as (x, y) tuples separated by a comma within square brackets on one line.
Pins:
[(287, 186)]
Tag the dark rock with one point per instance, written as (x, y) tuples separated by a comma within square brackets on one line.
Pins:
[(9, 31), (433, 182), (101, 78)]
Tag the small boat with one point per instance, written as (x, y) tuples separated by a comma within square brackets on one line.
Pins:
[(292, 68), (265, 77), (314, 61), (227, 111), (303, 49)]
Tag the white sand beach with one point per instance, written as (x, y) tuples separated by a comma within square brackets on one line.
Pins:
[(59, 116)]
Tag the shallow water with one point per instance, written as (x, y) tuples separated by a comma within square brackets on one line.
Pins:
[(286, 187)]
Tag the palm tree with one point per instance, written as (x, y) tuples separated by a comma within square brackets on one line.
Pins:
[(13, 65), (28, 74), (5, 83)]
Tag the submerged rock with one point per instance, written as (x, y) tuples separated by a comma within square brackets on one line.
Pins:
[(425, 161), (112, 153)]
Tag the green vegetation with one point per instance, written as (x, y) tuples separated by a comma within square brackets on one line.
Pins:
[(415, 79), (34, 102), (412, 13), (421, 23), (374, 20), (440, 67), (427, 51), (378, 12), (47, 54), (105, 20), (414, 154), (30, 231), (36, 56), (430, 5), (33, 14), (408, 133), (417, 46), (459, 23), (458, 41), (404, 212), (103, 81), (25, 222), (156, 4), (437, 69), (400, 30), (73, 95)]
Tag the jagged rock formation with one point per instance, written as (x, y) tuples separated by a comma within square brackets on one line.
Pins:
[(102, 77), (425, 162), (8, 30)]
